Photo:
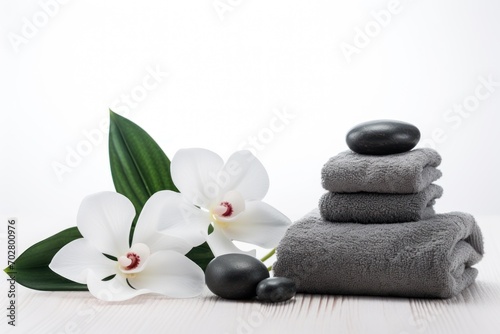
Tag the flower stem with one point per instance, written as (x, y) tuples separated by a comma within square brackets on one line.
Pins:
[(269, 268), (268, 255)]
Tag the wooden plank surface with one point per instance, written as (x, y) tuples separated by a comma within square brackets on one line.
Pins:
[(476, 310)]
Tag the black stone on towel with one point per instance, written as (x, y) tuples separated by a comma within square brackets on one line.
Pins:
[(383, 137)]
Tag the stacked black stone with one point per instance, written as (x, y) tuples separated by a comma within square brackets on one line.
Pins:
[(383, 137)]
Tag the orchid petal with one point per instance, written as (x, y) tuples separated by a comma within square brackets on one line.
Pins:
[(159, 242), (172, 274), (220, 244), (77, 257), (182, 225), (115, 290), (194, 172), (260, 224), (105, 219), (247, 175)]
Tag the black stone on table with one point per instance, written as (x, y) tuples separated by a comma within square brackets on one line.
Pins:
[(276, 289), (383, 137), (235, 276)]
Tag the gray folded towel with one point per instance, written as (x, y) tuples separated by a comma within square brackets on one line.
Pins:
[(428, 258), (368, 208), (402, 173)]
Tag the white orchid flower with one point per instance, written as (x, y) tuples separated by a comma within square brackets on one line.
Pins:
[(228, 196), (153, 263)]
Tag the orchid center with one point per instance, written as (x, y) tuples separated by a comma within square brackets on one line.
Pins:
[(135, 259), (129, 261), (231, 205), (224, 209)]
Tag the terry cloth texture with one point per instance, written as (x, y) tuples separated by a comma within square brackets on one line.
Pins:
[(402, 173), (429, 258), (368, 208)]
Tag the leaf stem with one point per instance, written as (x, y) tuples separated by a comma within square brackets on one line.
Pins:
[(268, 255)]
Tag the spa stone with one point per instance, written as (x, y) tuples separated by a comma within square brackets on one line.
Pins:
[(235, 276), (383, 137), (276, 289)]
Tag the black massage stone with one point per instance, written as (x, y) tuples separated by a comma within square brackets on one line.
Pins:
[(383, 137), (235, 276)]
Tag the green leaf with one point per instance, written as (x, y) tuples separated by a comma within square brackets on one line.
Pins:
[(139, 166), (31, 268)]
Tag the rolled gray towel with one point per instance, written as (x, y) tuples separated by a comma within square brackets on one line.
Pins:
[(403, 173), (429, 258), (369, 208)]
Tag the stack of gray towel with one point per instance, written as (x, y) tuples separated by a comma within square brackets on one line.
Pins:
[(376, 232), (380, 189)]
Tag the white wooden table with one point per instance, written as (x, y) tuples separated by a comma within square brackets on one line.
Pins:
[(476, 310)]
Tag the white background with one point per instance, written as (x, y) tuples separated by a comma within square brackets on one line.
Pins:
[(227, 73)]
